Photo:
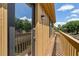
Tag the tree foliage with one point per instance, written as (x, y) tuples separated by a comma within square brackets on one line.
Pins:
[(72, 26), (21, 25)]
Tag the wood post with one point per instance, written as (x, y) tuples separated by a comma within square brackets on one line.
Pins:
[(3, 30)]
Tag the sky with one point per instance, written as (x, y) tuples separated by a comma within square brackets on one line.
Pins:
[(66, 12), (23, 11)]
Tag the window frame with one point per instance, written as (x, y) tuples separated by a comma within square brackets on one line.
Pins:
[(11, 28)]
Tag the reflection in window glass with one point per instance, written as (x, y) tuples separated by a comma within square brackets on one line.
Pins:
[(23, 26)]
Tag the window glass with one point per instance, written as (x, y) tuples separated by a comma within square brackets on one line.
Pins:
[(23, 26)]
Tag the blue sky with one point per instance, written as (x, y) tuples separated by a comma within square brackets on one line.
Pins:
[(66, 12), (22, 10)]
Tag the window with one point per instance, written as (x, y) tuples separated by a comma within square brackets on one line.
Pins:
[(23, 27), (21, 23)]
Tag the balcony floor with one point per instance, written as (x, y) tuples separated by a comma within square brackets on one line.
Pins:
[(58, 45)]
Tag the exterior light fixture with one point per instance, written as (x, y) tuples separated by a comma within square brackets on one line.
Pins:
[(43, 17)]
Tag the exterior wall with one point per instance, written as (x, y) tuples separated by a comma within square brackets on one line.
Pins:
[(38, 31), (3, 29), (43, 41)]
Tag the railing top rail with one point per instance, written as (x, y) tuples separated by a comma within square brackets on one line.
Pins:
[(76, 40), (73, 41)]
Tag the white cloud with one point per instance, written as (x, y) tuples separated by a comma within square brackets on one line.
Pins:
[(75, 11), (72, 15), (72, 19), (62, 23), (66, 7), (24, 18)]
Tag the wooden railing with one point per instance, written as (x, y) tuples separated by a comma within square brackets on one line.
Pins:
[(23, 44), (69, 44)]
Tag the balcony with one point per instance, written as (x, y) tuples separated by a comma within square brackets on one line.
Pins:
[(39, 42), (23, 44), (62, 45), (65, 45)]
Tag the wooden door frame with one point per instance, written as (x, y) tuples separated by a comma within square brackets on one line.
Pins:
[(11, 29)]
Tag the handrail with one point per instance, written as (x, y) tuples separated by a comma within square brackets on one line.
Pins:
[(70, 44), (75, 40), (23, 44), (71, 39)]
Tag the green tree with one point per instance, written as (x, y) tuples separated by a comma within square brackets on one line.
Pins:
[(72, 26), (19, 25), (27, 25)]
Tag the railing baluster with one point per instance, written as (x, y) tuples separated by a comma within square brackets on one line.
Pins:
[(78, 53), (68, 48), (72, 50), (70, 45), (23, 42), (75, 52)]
